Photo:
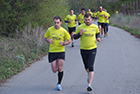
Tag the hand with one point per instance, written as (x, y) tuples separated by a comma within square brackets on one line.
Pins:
[(51, 40), (61, 43), (76, 22), (81, 31), (99, 39), (70, 21)]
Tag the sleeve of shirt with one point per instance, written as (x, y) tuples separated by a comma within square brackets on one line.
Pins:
[(105, 13), (47, 34), (79, 17), (67, 36), (108, 15), (91, 14), (75, 18), (66, 18), (97, 30), (77, 33), (77, 30), (97, 14)]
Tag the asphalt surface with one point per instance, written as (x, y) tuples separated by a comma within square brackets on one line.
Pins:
[(117, 70)]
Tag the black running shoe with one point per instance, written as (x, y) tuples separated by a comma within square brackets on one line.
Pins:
[(89, 88), (72, 45)]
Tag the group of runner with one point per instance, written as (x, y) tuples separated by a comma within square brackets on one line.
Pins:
[(103, 20), (88, 33)]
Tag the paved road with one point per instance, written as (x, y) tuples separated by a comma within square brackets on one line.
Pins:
[(117, 70)]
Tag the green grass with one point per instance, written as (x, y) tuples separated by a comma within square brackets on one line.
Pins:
[(19, 52), (128, 23)]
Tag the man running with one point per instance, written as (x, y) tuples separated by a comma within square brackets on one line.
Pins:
[(88, 33), (116, 12), (81, 16), (94, 16), (89, 11), (71, 20), (55, 35), (106, 23), (101, 20)]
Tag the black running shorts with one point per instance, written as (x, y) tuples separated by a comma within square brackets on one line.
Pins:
[(102, 24), (88, 57), (71, 29), (55, 56)]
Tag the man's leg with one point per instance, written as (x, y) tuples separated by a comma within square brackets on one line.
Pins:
[(72, 39), (57, 65), (107, 29), (91, 68), (54, 66), (100, 29), (60, 68), (91, 75)]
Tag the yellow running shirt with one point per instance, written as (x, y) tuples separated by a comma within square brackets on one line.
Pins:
[(81, 18), (90, 13), (94, 14), (106, 19), (88, 38), (57, 35), (101, 17), (116, 12), (71, 18)]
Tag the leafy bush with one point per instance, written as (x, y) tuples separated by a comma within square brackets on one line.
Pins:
[(16, 14)]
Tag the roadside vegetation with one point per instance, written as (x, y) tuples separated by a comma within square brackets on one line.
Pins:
[(19, 52), (22, 31), (130, 23)]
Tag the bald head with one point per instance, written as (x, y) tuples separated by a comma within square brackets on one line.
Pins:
[(89, 10), (101, 8)]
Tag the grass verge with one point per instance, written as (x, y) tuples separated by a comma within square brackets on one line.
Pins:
[(128, 23), (18, 53)]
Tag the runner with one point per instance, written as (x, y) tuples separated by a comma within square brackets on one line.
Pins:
[(101, 21), (55, 35), (81, 16), (88, 33), (89, 11), (71, 20), (106, 23), (94, 16), (116, 12)]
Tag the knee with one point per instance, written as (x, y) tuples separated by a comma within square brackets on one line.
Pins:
[(60, 68), (54, 71), (91, 68)]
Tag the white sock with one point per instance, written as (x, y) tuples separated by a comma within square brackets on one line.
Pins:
[(89, 84)]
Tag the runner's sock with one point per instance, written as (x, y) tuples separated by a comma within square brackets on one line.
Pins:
[(60, 76), (89, 84)]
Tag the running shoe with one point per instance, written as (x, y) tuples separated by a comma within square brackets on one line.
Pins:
[(72, 45), (59, 88), (101, 37), (89, 88), (107, 34)]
